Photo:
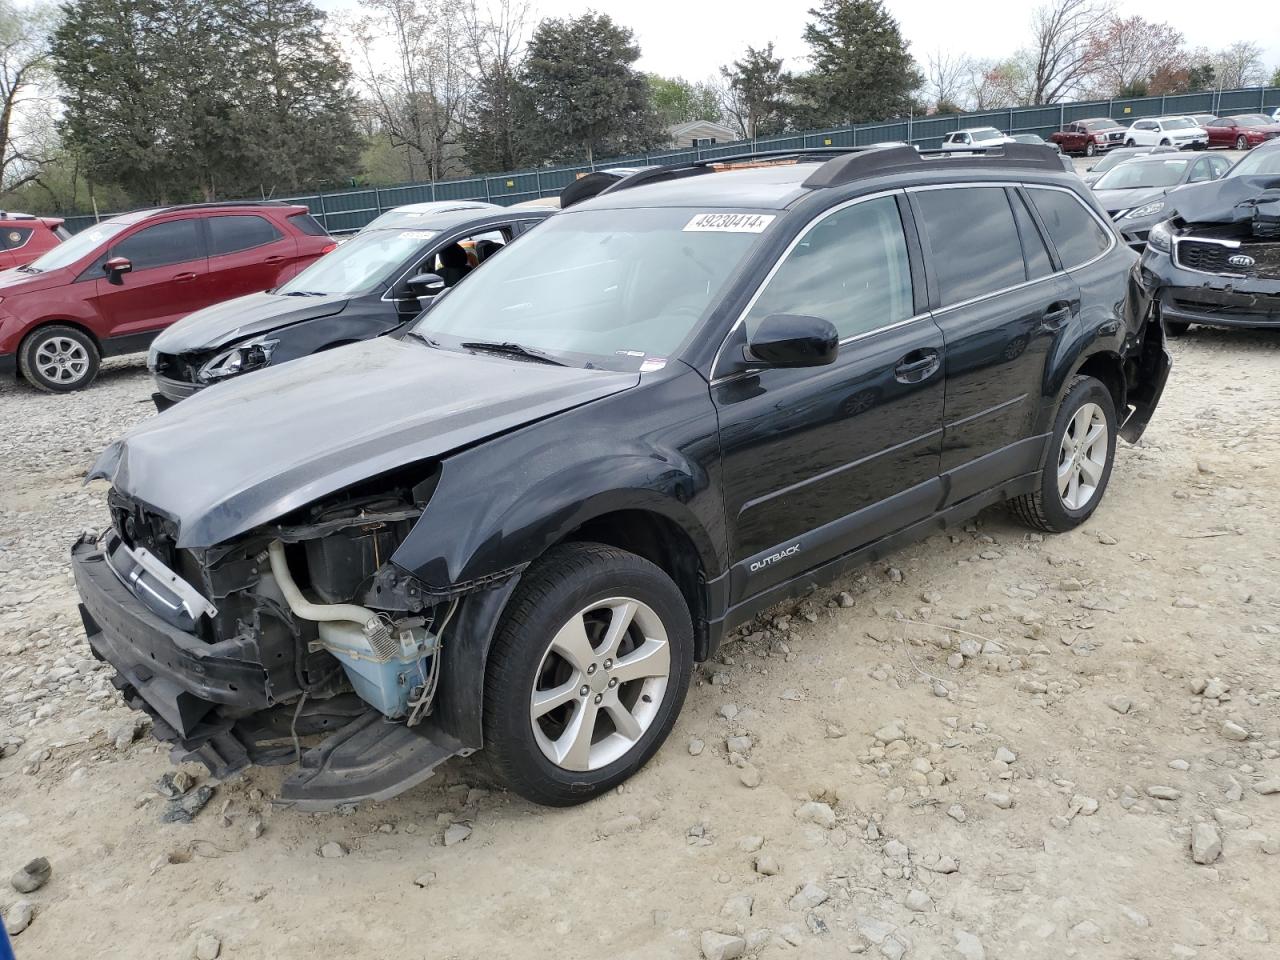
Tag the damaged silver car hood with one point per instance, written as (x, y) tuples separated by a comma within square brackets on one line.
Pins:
[(245, 452)]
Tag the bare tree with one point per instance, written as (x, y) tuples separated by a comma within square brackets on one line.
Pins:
[(995, 84), (412, 59), (1239, 65), (1125, 54), (494, 37), (24, 36), (1062, 35), (946, 78)]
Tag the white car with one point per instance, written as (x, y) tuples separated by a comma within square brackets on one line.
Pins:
[(973, 137), (1181, 132)]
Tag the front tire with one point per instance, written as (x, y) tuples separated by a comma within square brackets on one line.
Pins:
[(58, 359), (1130, 142), (1242, 143), (1090, 149), (587, 674), (1082, 449)]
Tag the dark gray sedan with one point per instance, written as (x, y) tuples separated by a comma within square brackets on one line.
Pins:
[(1136, 193)]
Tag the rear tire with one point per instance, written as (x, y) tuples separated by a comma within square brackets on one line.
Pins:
[(1082, 450), (58, 359), (585, 617), (1176, 328)]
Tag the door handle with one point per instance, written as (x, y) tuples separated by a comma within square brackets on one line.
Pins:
[(183, 277), (1057, 314), (916, 366), (274, 258)]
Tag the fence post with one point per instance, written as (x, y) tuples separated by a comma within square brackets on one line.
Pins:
[(324, 217), (377, 201), (537, 179), (910, 139)]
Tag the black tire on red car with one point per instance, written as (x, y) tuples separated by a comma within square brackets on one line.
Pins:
[(1090, 149), (1242, 142), (59, 358)]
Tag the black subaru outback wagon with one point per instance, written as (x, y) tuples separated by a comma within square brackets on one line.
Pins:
[(519, 525)]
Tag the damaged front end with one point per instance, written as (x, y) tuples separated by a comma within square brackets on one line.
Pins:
[(1218, 262), (248, 651)]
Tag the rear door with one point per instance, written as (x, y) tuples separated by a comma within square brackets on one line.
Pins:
[(246, 254), (166, 283), (1001, 304), (822, 460)]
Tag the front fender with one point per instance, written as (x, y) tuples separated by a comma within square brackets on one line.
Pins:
[(499, 505)]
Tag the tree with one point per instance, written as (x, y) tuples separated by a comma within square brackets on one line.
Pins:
[(1062, 38), (1275, 78), (1124, 56), (861, 69), (293, 93), (24, 61), (585, 93), (677, 100), (412, 59), (494, 132), (1240, 65), (755, 93), (994, 85), (945, 77)]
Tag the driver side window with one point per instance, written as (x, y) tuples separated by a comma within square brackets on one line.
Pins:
[(455, 261), (850, 268)]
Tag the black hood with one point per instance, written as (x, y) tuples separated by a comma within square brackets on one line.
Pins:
[(250, 450), (1229, 200), (234, 320)]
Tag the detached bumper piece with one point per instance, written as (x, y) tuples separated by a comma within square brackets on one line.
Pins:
[(1233, 307)]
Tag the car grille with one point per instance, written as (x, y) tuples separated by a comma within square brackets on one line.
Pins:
[(1215, 258), (1115, 136), (182, 367)]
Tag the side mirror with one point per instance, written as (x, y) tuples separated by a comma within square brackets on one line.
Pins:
[(116, 268), (423, 285), (793, 340), (1088, 169)]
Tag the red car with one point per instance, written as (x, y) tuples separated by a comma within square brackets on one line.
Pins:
[(1243, 132), (24, 237), (1089, 137), (111, 288)]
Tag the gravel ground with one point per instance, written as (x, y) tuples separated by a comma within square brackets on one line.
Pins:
[(995, 745)]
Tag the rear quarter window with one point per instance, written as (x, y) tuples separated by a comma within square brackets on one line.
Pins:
[(308, 224), (1071, 226), (14, 238)]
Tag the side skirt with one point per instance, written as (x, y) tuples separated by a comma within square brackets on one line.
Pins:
[(955, 514)]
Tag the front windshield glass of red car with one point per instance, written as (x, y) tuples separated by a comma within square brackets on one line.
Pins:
[(79, 245), (616, 288)]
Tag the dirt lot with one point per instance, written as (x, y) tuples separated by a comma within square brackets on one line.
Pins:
[(1000, 748)]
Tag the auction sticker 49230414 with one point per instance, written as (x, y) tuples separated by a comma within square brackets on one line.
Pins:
[(729, 223)]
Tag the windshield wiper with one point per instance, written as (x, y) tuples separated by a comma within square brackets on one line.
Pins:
[(512, 350), (27, 268), (305, 293)]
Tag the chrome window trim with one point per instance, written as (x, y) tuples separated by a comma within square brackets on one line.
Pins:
[(1106, 226), (818, 218)]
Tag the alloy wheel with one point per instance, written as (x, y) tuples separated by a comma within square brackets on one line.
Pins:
[(1242, 143), (61, 360), (1082, 457), (600, 683)]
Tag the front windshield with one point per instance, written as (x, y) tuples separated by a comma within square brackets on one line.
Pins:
[(623, 289), (1264, 162), (79, 245), (1144, 173), (362, 263), (1103, 125), (1182, 123)]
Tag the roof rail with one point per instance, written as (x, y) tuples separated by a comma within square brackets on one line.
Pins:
[(690, 168), (871, 162), (228, 203)]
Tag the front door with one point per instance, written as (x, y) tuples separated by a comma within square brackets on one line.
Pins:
[(820, 461), (166, 283), (1001, 306)]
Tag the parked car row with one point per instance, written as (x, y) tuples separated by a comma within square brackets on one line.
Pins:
[(517, 522), (1199, 131)]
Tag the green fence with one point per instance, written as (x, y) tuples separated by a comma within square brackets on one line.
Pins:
[(349, 210)]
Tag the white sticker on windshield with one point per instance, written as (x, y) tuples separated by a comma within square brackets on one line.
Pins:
[(653, 363), (729, 223), (417, 234)]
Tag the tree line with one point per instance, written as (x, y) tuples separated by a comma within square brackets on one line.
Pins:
[(106, 104)]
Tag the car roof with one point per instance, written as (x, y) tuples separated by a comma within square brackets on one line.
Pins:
[(422, 216), (212, 208)]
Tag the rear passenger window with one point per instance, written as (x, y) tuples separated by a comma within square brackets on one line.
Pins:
[(850, 268), (973, 239), (1072, 228), (1033, 248), (229, 234)]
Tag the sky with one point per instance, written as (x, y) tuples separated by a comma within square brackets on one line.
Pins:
[(692, 39)]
